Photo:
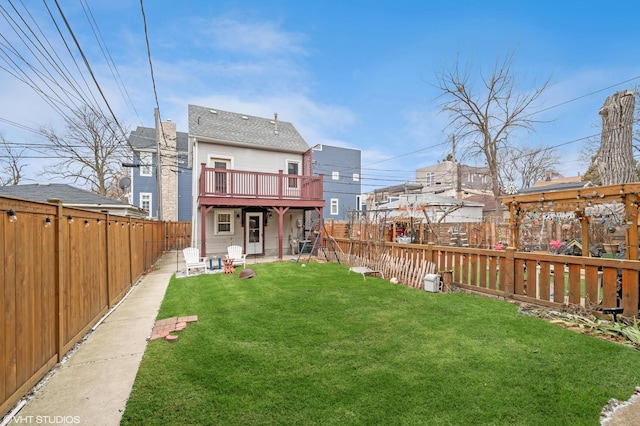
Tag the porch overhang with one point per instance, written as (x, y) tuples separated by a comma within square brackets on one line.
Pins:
[(213, 201)]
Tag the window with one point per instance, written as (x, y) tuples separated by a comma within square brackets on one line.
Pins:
[(220, 178), (334, 206), (356, 177), (335, 175), (145, 202), (429, 179), (293, 168), (224, 222), (146, 164)]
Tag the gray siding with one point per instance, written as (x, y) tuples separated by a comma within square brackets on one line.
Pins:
[(142, 184), (184, 189), (143, 140), (346, 162)]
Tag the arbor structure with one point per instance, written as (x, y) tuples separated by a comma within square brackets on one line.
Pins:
[(614, 160), (90, 152), (483, 118)]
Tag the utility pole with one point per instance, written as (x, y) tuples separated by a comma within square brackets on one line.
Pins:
[(156, 115), (457, 185)]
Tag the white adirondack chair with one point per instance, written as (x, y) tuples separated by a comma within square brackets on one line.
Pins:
[(193, 261), (235, 252)]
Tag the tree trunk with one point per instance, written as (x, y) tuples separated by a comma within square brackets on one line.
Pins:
[(615, 157)]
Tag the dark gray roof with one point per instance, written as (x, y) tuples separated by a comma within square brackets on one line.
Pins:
[(555, 187), (68, 194), (145, 138), (246, 130)]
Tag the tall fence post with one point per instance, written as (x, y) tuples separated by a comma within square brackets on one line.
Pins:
[(107, 242), (507, 271), (429, 254), (131, 260), (61, 225)]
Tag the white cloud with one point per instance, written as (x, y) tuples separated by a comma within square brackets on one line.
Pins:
[(317, 123), (255, 38)]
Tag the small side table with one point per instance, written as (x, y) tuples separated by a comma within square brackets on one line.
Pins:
[(228, 265), (212, 264)]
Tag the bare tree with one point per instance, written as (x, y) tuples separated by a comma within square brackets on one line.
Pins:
[(614, 160), (90, 152), (11, 165), (527, 165), (443, 214), (483, 118)]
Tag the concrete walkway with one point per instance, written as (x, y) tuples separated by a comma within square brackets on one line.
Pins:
[(626, 414), (92, 385)]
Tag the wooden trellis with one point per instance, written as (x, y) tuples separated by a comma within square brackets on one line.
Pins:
[(579, 201)]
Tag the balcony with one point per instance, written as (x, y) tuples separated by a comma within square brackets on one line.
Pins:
[(242, 188)]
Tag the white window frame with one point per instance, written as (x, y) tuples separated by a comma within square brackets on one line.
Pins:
[(334, 206), (356, 177), (293, 182), (211, 158), (335, 175), (217, 222), (430, 179), (148, 195), (146, 164)]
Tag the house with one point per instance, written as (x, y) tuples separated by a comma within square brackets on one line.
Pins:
[(341, 168), (71, 196), (414, 206), (381, 195), (409, 212), (174, 201), (252, 182), (452, 179), (557, 184)]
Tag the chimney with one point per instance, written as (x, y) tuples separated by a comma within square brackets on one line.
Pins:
[(275, 122)]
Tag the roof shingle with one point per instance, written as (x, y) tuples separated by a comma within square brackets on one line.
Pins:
[(66, 193), (239, 129)]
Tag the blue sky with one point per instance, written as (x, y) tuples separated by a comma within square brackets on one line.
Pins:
[(358, 74)]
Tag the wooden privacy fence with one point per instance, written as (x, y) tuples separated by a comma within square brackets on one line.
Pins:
[(62, 270), (177, 235), (545, 279)]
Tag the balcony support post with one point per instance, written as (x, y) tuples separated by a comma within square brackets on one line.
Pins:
[(281, 211), (320, 226), (203, 229)]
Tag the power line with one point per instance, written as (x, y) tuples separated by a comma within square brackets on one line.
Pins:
[(585, 95), (107, 55), (86, 62), (32, 41), (537, 112)]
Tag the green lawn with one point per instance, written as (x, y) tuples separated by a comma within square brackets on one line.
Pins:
[(320, 346)]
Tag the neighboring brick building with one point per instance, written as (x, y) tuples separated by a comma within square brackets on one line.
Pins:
[(453, 179), (176, 175)]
